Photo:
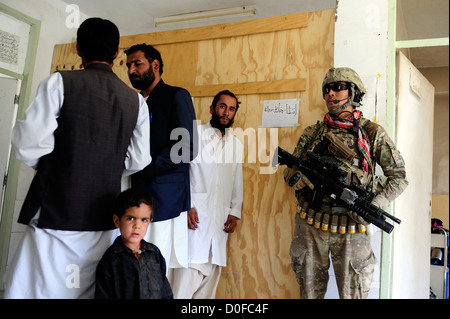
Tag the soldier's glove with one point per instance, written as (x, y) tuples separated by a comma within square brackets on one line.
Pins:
[(295, 179), (357, 218)]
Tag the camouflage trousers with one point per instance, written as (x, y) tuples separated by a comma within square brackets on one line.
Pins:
[(352, 256)]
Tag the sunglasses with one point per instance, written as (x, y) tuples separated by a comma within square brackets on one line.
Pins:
[(336, 87)]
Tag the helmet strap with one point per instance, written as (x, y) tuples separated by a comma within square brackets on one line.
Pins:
[(338, 108)]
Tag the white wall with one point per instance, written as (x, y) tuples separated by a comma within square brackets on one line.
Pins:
[(361, 43)]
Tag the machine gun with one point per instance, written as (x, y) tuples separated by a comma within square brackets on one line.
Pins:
[(329, 179)]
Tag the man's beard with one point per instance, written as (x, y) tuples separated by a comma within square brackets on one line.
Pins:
[(142, 82), (215, 122)]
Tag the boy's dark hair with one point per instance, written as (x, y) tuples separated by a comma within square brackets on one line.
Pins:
[(98, 40), (150, 53), (225, 92), (132, 197)]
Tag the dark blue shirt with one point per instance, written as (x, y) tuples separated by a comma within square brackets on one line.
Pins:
[(120, 275), (171, 138)]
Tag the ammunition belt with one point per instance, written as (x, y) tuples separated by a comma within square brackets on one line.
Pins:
[(336, 222)]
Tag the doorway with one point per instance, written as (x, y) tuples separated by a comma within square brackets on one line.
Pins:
[(17, 59), (414, 49), (9, 90)]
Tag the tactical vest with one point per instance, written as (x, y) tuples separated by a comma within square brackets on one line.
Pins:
[(75, 185), (331, 217)]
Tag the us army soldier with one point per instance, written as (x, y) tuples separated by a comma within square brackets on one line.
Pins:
[(357, 145)]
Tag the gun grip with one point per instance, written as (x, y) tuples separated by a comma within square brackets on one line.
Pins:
[(294, 179)]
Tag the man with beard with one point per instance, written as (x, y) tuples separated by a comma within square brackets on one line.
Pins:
[(356, 145), (82, 132), (216, 194), (167, 177)]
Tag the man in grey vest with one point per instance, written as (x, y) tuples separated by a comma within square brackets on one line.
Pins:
[(82, 133)]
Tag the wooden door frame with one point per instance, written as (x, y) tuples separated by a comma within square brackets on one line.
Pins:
[(13, 169)]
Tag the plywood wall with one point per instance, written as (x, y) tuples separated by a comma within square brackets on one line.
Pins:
[(265, 59)]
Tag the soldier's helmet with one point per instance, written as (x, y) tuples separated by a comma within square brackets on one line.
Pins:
[(349, 76)]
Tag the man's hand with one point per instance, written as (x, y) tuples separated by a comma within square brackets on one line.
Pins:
[(230, 224), (291, 176), (193, 219), (357, 218)]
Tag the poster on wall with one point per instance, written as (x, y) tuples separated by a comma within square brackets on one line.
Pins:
[(280, 113), (14, 35), (9, 48)]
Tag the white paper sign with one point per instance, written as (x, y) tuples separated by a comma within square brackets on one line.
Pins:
[(9, 48), (280, 113)]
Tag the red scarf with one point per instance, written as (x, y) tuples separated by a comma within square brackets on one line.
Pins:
[(347, 123)]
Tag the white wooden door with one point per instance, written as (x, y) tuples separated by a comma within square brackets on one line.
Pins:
[(8, 110), (411, 239)]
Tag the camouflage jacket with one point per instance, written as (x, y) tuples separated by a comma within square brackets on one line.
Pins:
[(387, 185)]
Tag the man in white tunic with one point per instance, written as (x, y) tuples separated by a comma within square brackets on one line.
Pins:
[(82, 133), (216, 196)]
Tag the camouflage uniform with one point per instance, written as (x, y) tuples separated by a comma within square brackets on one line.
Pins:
[(351, 254)]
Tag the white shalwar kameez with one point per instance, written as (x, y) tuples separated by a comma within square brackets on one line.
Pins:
[(216, 191), (58, 264)]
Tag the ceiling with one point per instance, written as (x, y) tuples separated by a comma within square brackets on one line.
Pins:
[(136, 16), (416, 19)]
